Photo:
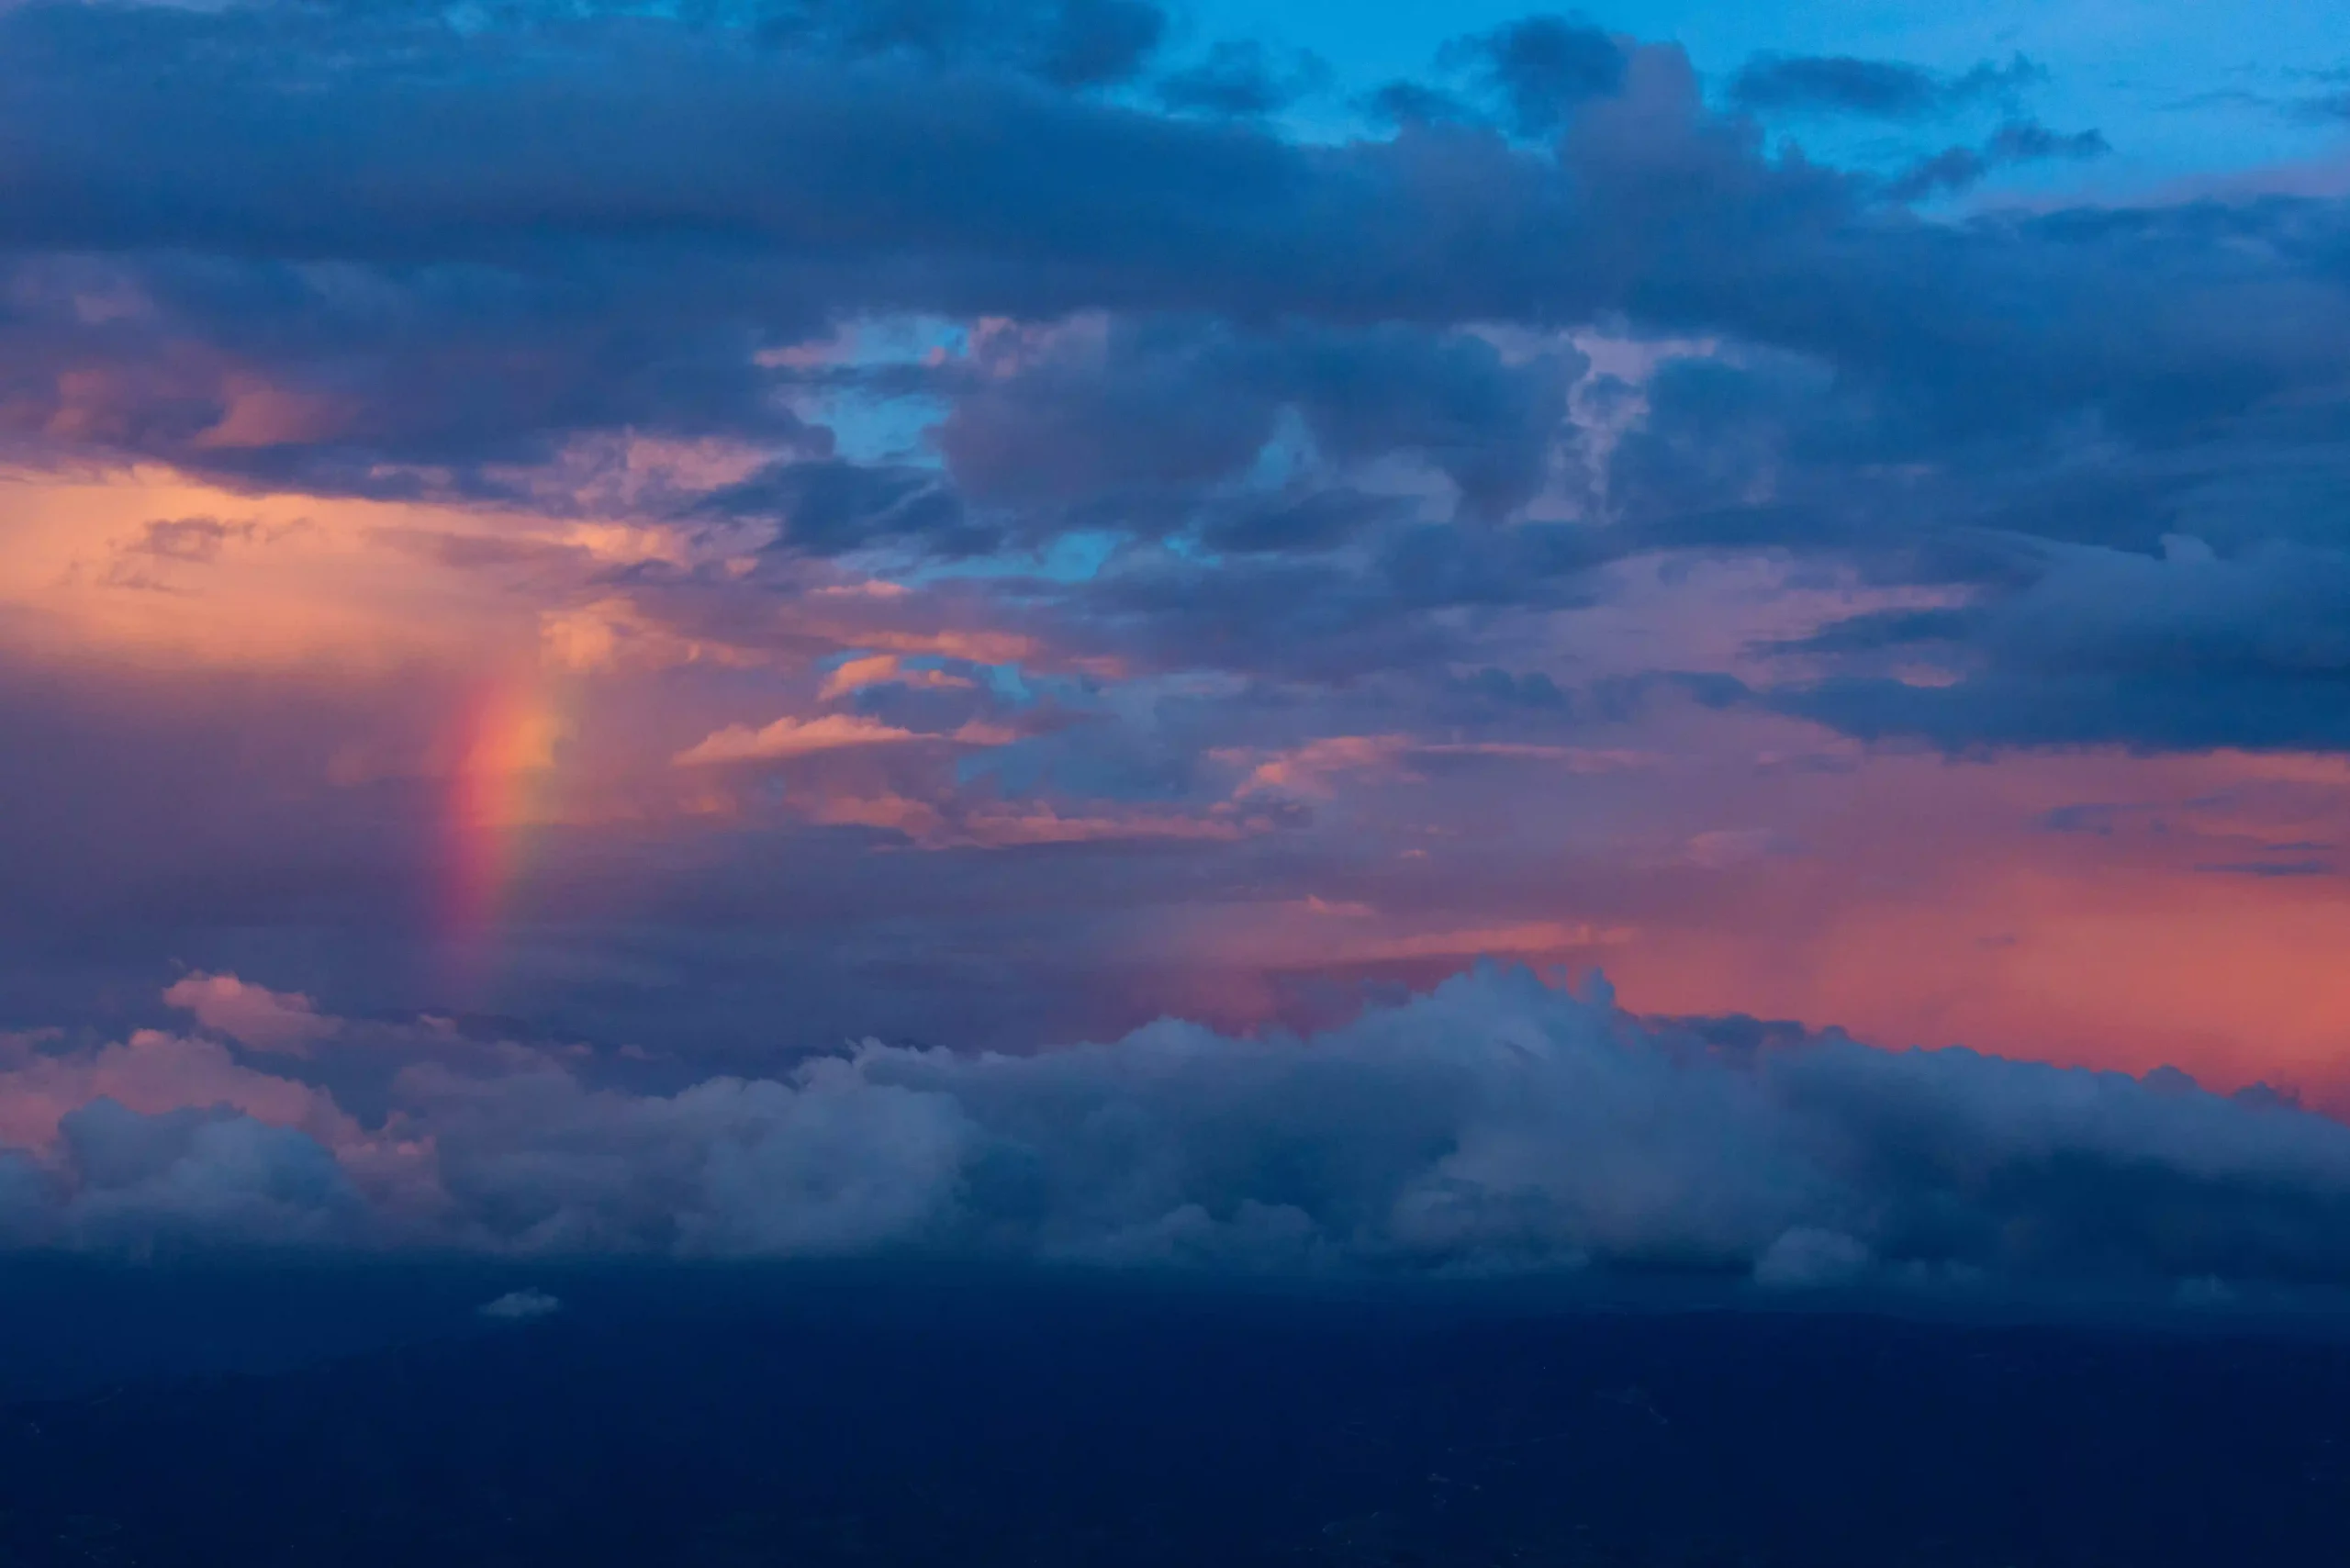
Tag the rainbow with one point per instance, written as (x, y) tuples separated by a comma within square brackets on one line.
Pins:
[(507, 735)]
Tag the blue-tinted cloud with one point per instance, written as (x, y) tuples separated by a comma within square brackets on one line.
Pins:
[(1882, 89), (1494, 1126)]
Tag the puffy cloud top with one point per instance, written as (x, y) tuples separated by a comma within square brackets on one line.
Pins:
[(1495, 1124)]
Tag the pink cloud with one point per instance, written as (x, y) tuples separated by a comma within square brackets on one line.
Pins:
[(879, 668), (1314, 767), (153, 1072), (279, 1021), (787, 737)]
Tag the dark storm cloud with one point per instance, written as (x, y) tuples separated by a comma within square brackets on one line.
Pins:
[(362, 252), (825, 507), (367, 373), (1309, 521), (1404, 599), (1167, 403), (606, 279), (2184, 650)]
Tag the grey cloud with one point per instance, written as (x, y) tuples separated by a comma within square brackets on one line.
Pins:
[(471, 249), (1168, 403), (1298, 520), (1885, 629), (1541, 68), (1408, 598), (629, 285), (1414, 102), (2185, 650), (2015, 142), (188, 1179), (827, 507)]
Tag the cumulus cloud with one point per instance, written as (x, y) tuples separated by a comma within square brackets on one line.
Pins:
[(1496, 1124), (285, 1022), (117, 1180)]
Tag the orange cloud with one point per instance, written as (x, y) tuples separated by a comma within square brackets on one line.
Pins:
[(876, 670), (789, 737)]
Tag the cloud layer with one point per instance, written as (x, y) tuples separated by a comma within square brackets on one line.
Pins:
[(1497, 1124)]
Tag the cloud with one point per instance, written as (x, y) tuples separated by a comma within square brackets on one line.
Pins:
[(2015, 142), (182, 1179), (1070, 43), (789, 737), (1242, 77), (1804, 1259), (1542, 68), (886, 670), (520, 1306), (2181, 650), (1881, 89), (1495, 1124), (284, 1022), (828, 507)]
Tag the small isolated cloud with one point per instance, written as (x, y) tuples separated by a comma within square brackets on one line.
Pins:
[(789, 737), (520, 1306), (887, 670), (285, 1022), (1808, 1258), (2014, 143)]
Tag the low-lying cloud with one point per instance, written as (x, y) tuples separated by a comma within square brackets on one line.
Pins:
[(1497, 1124)]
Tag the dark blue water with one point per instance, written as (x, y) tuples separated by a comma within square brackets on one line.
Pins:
[(823, 1417)]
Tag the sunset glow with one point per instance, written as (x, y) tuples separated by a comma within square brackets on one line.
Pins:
[(982, 527)]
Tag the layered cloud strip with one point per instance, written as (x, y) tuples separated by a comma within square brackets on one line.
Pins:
[(724, 530), (1498, 1126)]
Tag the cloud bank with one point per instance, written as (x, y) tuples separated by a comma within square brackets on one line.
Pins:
[(1497, 1124)]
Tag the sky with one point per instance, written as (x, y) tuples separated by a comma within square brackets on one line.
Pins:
[(562, 566)]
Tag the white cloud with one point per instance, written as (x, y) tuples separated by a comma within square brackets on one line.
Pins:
[(520, 1306)]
